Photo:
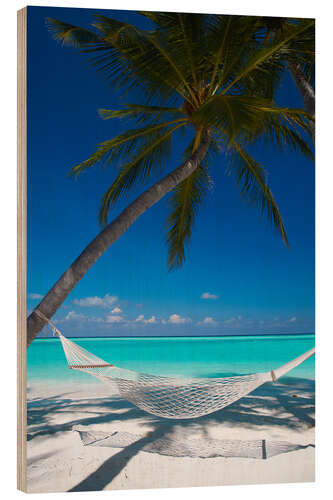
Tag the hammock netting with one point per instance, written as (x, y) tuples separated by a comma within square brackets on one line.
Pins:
[(170, 397)]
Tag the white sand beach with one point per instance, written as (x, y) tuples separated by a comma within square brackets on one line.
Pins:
[(58, 461)]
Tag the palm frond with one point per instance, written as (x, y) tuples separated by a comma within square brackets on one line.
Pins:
[(232, 43), (186, 37), (233, 114), (220, 53), (142, 113), (161, 46), (148, 159), (184, 203), (110, 28), (249, 118), (71, 35), (124, 54), (122, 146), (269, 51), (285, 128), (252, 180)]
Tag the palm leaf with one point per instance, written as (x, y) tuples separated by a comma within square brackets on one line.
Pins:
[(125, 54), (148, 159), (286, 128), (159, 44), (142, 113), (267, 52), (220, 53), (252, 180), (249, 118), (71, 35), (186, 36), (184, 203), (121, 146), (232, 44)]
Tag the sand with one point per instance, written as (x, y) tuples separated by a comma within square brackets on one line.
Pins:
[(58, 461)]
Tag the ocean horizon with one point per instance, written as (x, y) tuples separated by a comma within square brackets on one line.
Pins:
[(228, 335)]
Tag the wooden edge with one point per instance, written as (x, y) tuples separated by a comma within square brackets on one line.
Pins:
[(21, 249)]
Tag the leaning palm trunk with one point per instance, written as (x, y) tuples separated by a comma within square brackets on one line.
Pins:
[(58, 293), (306, 91)]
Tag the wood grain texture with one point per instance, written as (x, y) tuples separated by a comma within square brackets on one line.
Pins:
[(21, 248)]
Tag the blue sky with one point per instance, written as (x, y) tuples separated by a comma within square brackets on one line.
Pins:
[(238, 277)]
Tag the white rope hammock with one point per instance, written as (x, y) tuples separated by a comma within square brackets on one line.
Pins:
[(170, 397)]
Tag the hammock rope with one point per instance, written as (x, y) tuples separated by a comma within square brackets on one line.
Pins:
[(170, 397)]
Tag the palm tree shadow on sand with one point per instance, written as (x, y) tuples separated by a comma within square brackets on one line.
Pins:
[(290, 404)]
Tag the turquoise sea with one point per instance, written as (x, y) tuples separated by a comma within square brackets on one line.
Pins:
[(186, 356)]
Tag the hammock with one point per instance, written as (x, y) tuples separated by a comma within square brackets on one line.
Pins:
[(170, 397)]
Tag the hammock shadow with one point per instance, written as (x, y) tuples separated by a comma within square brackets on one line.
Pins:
[(109, 469), (177, 443)]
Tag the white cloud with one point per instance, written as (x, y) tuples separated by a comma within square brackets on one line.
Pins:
[(75, 316), (230, 320), (208, 321), (209, 296), (35, 296), (114, 319), (150, 321), (106, 301), (175, 319), (292, 319), (116, 310)]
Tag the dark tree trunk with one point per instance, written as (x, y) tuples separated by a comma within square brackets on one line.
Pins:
[(307, 92), (58, 293)]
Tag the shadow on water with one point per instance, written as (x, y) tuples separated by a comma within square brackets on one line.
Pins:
[(289, 403)]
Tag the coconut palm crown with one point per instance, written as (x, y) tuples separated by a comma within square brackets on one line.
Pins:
[(210, 76)]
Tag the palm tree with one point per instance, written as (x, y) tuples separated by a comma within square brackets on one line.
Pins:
[(206, 76), (300, 60)]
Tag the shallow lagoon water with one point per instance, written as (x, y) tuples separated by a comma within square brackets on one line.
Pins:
[(186, 356)]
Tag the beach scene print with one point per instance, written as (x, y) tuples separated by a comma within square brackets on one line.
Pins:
[(171, 318)]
